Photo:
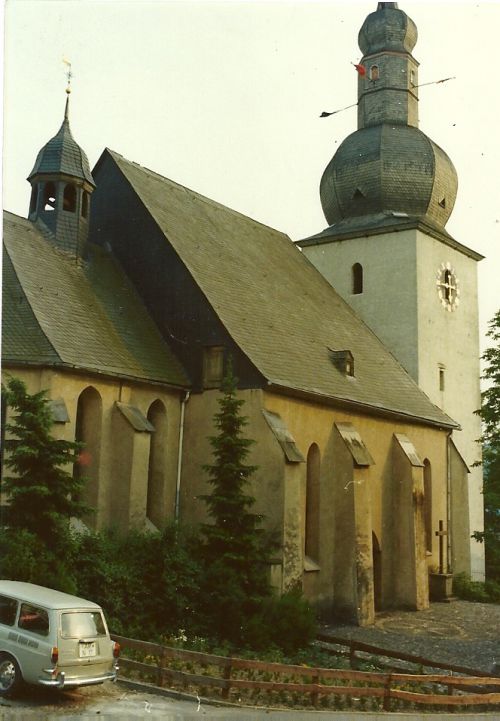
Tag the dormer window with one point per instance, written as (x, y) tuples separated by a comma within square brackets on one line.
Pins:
[(374, 72), (49, 196), (213, 366), (442, 203), (343, 360)]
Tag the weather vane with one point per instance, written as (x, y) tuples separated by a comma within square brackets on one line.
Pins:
[(69, 75)]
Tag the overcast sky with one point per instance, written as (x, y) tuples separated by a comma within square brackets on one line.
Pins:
[(225, 98)]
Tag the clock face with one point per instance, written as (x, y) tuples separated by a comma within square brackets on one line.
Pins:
[(448, 287)]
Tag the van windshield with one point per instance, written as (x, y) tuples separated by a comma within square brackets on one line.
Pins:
[(82, 624)]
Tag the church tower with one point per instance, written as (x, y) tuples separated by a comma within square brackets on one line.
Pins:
[(62, 184), (387, 194)]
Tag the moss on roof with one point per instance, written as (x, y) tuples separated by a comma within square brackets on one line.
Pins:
[(276, 306), (84, 315)]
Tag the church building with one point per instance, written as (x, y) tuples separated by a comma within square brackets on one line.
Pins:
[(125, 294)]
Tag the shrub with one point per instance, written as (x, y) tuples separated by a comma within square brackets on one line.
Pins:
[(463, 587), (147, 583), (26, 558)]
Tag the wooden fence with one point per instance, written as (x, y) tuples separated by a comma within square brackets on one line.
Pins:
[(233, 678)]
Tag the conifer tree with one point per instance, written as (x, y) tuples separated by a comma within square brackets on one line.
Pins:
[(236, 550), (490, 416), (42, 494)]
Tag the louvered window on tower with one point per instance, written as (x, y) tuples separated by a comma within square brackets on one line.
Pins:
[(69, 198), (49, 196), (343, 360)]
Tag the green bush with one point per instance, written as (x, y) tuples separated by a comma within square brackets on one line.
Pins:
[(291, 622), (488, 592), (24, 557), (147, 583)]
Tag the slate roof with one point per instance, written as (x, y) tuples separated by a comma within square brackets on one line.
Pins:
[(389, 167), (85, 316), (276, 306), (62, 154), (376, 223)]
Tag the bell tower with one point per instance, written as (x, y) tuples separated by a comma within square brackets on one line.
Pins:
[(61, 188), (387, 195)]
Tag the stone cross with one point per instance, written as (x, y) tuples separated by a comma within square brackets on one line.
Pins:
[(441, 534)]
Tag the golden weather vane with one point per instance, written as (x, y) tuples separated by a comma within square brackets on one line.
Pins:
[(69, 74)]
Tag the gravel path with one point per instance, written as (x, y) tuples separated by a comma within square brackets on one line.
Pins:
[(459, 632)]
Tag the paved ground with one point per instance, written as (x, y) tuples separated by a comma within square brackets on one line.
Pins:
[(459, 632)]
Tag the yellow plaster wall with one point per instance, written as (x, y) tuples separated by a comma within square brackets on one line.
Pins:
[(122, 473), (312, 423)]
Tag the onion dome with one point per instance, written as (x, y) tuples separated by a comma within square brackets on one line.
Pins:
[(387, 29), (389, 168), (388, 165), (63, 155)]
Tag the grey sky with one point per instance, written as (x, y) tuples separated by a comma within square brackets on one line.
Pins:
[(225, 97)]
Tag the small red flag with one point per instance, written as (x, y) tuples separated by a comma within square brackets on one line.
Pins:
[(84, 458), (360, 68)]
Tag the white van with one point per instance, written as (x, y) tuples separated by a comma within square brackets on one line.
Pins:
[(53, 639)]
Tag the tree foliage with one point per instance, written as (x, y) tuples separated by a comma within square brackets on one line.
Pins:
[(236, 550), (490, 416), (42, 494)]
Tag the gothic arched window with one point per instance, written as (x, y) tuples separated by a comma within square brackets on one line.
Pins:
[(312, 503), (88, 432), (428, 504), (357, 278)]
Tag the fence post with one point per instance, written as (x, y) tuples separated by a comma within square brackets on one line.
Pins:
[(315, 678), (159, 670), (352, 654), (387, 694), (227, 677), (451, 708)]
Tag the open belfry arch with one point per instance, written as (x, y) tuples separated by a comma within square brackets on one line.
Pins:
[(387, 195), (150, 288)]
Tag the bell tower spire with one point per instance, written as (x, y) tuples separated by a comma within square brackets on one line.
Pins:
[(387, 194), (388, 91), (62, 184)]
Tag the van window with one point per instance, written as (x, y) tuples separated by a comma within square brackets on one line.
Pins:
[(33, 618), (80, 624), (8, 610)]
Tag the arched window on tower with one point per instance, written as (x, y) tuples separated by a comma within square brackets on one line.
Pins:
[(49, 196), (85, 204), (34, 198), (155, 503), (374, 72), (357, 279), (69, 198), (312, 511), (428, 504), (88, 432)]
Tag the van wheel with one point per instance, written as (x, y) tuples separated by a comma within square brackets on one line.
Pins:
[(10, 675)]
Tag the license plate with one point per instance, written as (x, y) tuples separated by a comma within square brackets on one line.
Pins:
[(87, 649)]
